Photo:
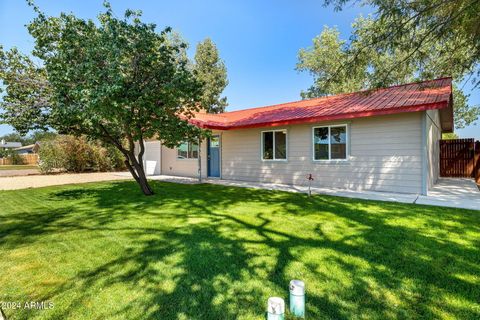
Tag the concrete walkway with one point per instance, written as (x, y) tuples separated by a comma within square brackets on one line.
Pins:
[(449, 192), (457, 193), (453, 192)]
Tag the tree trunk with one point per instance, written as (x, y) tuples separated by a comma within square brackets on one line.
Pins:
[(138, 173), (144, 186), (134, 165)]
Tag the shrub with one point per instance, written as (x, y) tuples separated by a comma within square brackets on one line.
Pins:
[(117, 159), (51, 156), (16, 159), (77, 154)]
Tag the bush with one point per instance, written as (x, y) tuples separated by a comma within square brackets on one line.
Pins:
[(51, 157), (77, 154), (16, 159)]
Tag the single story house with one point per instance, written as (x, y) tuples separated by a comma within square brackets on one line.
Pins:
[(379, 140), (5, 145), (30, 149)]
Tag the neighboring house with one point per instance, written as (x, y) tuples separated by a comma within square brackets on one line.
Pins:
[(30, 149), (381, 140), (4, 145)]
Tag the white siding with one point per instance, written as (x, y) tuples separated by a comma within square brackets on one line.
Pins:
[(434, 134), (385, 155), (182, 167), (152, 153)]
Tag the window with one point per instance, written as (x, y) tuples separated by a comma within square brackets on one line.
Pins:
[(330, 143), (187, 150), (215, 141), (274, 145)]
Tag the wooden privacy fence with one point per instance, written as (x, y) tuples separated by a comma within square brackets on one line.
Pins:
[(460, 158), (31, 159)]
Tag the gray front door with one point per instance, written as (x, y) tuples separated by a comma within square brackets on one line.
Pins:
[(214, 156)]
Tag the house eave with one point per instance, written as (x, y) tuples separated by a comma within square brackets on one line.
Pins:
[(344, 116)]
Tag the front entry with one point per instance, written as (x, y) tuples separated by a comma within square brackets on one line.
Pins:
[(213, 150)]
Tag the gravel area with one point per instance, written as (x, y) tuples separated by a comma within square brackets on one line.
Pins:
[(22, 172), (37, 181)]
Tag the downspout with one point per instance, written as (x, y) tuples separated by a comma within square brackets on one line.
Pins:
[(200, 160), (161, 157), (424, 155)]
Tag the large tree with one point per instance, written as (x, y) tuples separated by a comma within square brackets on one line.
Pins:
[(212, 73), (117, 80), (412, 25), (362, 63)]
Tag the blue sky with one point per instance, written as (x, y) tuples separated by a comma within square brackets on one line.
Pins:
[(258, 40)]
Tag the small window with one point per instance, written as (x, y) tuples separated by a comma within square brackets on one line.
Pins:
[(274, 145), (187, 150), (214, 141), (330, 143)]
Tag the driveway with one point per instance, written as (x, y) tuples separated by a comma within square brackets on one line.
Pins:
[(36, 181), (20, 172)]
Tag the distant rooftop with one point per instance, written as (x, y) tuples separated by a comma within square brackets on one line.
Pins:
[(6, 144), (30, 146)]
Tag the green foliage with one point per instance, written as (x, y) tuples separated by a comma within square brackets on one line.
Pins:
[(10, 153), (77, 154), (31, 138), (212, 73), (414, 26), (339, 66), (27, 93), (38, 136), (15, 137), (117, 80), (326, 56), (52, 157), (449, 136)]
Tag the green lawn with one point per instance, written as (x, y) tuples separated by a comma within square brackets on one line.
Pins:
[(17, 167), (103, 251)]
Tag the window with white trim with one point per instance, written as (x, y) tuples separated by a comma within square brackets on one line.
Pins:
[(187, 150), (330, 142), (274, 145)]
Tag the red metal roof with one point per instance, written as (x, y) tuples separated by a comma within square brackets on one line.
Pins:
[(419, 96)]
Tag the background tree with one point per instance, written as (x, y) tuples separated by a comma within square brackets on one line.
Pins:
[(31, 138), (449, 136), (344, 66), (15, 137), (212, 73), (117, 80), (412, 25)]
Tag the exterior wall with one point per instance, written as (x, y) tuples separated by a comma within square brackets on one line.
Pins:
[(385, 155), (434, 134), (183, 167), (153, 153)]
